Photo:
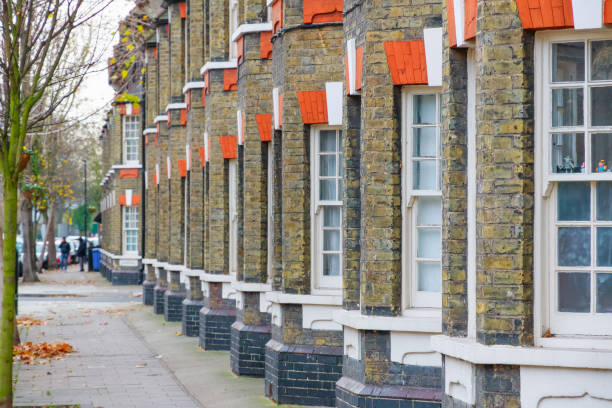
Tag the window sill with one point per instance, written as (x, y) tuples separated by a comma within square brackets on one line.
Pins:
[(576, 342), (475, 353), (128, 165), (242, 286), (288, 298), (418, 321)]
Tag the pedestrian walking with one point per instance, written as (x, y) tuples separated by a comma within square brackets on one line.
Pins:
[(82, 252), (64, 252)]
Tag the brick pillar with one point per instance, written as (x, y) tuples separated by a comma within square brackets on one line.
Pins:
[(299, 350), (160, 289), (191, 307), (218, 30)]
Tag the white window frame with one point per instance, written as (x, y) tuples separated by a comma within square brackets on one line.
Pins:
[(233, 26), (129, 227), (270, 235), (570, 329), (233, 216), (411, 297), (128, 137), (323, 284)]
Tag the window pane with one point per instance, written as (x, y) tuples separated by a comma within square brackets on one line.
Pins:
[(574, 292), (429, 277), (328, 165), (574, 246), (604, 293), (429, 243), (331, 240), (601, 151), (424, 109), (567, 152), (567, 107), (568, 62), (424, 144), (424, 175), (601, 60), (331, 264), (327, 141), (574, 202), (601, 106), (604, 246), (429, 211), (328, 190), (604, 201), (331, 216)]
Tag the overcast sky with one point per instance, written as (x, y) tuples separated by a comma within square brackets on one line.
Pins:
[(95, 95)]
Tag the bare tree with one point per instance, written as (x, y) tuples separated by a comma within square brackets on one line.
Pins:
[(36, 77)]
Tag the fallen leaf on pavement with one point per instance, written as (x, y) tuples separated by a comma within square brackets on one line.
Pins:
[(178, 333), (29, 352), (28, 321)]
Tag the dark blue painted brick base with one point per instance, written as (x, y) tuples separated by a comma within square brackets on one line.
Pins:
[(215, 328), (158, 300), (125, 277), (191, 317), (353, 394), (173, 306), (248, 349), (304, 375), (147, 293)]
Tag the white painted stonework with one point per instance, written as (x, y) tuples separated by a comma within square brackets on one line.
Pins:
[(414, 349), (227, 292), (276, 108), (240, 300), (351, 54), (588, 14), (205, 291), (187, 284), (552, 387), (433, 55), (334, 98), (352, 345), (319, 317), (459, 8), (459, 380), (277, 314), (265, 306)]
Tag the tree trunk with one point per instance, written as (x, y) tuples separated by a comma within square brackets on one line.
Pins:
[(51, 239), (29, 242), (7, 321)]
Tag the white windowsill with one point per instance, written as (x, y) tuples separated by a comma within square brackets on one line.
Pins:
[(250, 28), (175, 106), (149, 131), (193, 85), (422, 321), (160, 118), (251, 287), (471, 351), (288, 298), (134, 165), (210, 65), (176, 268), (147, 261), (113, 256), (213, 277), (194, 272)]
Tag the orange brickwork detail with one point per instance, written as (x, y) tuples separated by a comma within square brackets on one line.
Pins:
[(452, 30), (182, 6), (230, 79), (156, 134), (265, 45), (183, 117), (277, 16), (146, 140), (135, 200), (313, 105), (229, 147), (182, 166), (203, 97), (155, 179), (540, 14), (608, 12), (407, 62), (168, 123), (135, 109), (202, 156), (471, 13), (240, 45), (358, 68), (155, 52), (188, 99), (264, 125), (128, 173), (322, 11)]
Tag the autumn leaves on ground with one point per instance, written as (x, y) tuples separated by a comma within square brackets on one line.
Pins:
[(38, 353)]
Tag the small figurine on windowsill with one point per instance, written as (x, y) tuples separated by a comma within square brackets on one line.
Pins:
[(601, 167), (568, 164)]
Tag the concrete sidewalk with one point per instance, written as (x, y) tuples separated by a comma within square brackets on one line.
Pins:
[(126, 356)]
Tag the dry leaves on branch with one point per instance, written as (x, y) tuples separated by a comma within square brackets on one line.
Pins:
[(27, 321), (29, 352)]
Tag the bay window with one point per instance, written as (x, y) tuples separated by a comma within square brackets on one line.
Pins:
[(326, 177), (130, 230), (422, 197), (131, 139), (574, 135), (233, 216)]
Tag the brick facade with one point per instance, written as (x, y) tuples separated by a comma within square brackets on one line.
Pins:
[(256, 86)]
